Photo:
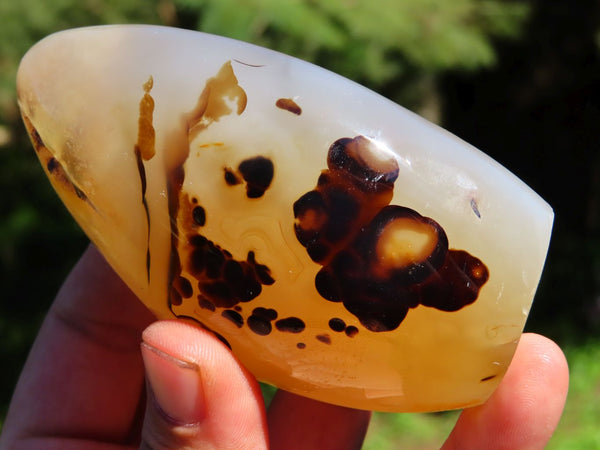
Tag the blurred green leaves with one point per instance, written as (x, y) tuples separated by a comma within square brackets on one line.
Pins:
[(369, 41)]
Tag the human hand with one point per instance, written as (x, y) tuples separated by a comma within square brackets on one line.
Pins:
[(83, 387)]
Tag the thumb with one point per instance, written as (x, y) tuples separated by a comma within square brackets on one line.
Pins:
[(199, 396)]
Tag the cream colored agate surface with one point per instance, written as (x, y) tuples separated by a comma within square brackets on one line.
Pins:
[(111, 107)]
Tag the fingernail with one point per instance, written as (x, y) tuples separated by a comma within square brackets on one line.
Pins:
[(176, 386)]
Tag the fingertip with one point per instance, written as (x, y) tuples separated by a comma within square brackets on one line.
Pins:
[(541, 350), (175, 386), (183, 338), (525, 409), (231, 413), (543, 353), (539, 377)]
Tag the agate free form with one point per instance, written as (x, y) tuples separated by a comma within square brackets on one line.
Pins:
[(344, 248)]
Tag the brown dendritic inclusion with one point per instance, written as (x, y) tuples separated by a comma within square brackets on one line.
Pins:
[(378, 260), (53, 167)]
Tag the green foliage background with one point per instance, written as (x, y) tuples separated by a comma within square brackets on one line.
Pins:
[(519, 79)]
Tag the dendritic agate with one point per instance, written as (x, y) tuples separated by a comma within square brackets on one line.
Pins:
[(344, 248)]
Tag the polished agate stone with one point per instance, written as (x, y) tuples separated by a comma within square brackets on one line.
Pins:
[(344, 248)]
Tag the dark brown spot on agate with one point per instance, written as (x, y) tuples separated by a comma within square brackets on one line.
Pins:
[(222, 279), (378, 260), (324, 338), (337, 325), (265, 313), (290, 325), (233, 316), (289, 105), (199, 215), (205, 303), (351, 331), (371, 167), (80, 194), (301, 345), (488, 378), (475, 208), (183, 286), (260, 320), (259, 325), (257, 172), (52, 165), (230, 177), (175, 297), (456, 284), (36, 138)]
